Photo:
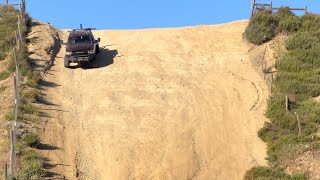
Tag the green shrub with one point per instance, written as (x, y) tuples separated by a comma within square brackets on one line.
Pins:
[(33, 79), (302, 40), (11, 65), (31, 95), (268, 133), (310, 22), (293, 83), (24, 67), (297, 77), (2, 88), (4, 75), (30, 140), (261, 27), (287, 21), (31, 168), (31, 164), (28, 154), (29, 108), (31, 83), (264, 24), (311, 109), (290, 24), (265, 173), (23, 52), (8, 24), (2, 55), (283, 13), (9, 116), (298, 72)]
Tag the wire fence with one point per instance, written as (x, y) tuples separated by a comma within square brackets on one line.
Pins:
[(263, 64), (9, 173), (269, 6)]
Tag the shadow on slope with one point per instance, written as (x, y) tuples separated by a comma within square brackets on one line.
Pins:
[(103, 59)]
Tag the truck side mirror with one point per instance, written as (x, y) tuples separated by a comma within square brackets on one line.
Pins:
[(98, 40)]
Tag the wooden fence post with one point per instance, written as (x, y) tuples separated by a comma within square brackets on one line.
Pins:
[(265, 62), (16, 110), (17, 39), (17, 67), (5, 171), (299, 123), (21, 11), (19, 28), (287, 102), (24, 6), (12, 153), (262, 63), (7, 2), (305, 9), (271, 81), (252, 6)]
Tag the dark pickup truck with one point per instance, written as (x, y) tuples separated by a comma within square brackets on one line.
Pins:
[(81, 47)]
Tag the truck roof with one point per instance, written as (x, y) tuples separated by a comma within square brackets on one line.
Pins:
[(79, 33)]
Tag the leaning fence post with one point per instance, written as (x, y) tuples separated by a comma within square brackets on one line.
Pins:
[(299, 123)]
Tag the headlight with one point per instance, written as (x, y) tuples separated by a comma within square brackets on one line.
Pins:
[(68, 53), (91, 51)]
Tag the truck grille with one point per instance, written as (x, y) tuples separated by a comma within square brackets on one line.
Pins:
[(80, 53)]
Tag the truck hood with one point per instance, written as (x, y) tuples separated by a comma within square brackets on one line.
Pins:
[(79, 47)]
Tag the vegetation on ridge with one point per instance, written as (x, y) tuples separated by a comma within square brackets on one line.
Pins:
[(298, 78)]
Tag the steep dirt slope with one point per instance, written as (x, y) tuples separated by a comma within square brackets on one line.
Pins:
[(179, 103)]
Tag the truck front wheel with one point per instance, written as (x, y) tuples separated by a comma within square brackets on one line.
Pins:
[(97, 49)]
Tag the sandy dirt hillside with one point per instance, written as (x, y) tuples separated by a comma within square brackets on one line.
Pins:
[(181, 103)]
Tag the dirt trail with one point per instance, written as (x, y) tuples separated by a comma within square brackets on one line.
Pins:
[(179, 103)]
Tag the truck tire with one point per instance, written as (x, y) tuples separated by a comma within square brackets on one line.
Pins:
[(66, 62), (97, 49)]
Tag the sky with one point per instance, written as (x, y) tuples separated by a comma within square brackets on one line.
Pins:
[(140, 14)]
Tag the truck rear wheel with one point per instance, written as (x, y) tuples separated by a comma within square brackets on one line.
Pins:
[(66, 62)]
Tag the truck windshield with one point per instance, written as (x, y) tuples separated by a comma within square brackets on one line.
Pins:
[(79, 39)]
